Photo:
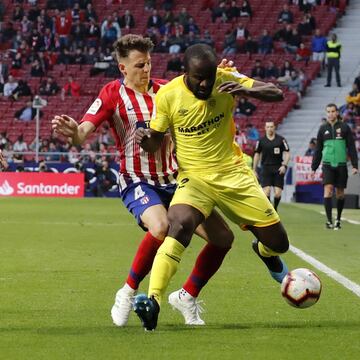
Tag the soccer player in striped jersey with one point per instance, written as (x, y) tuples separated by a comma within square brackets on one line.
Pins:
[(147, 181), (197, 108)]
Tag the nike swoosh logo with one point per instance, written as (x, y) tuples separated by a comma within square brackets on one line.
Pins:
[(130, 108)]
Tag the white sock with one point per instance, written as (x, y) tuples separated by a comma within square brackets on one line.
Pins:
[(184, 295), (127, 288)]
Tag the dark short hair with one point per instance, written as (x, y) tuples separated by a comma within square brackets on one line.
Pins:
[(129, 42), (332, 105), (200, 52)]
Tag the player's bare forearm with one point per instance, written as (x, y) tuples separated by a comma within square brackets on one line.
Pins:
[(149, 139), (260, 90)]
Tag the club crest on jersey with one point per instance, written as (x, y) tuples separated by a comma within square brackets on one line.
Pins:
[(95, 106), (144, 200), (212, 102), (183, 112)]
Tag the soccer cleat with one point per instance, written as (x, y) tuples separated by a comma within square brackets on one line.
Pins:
[(337, 225), (123, 305), (189, 308), (147, 309), (329, 225), (276, 266)]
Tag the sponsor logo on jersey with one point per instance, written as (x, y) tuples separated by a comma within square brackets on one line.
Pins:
[(183, 112), (269, 212), (203, 127), (95, 106)]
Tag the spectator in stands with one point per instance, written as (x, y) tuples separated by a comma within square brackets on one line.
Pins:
[(49, 87), (18, 13), (318, 47), (176, 42), (241, 34), (127, 21), (87, 154), (23, 89), (17, 61), (311, 147), (42, 167), (219, 11), (163, 45), (4, 141), (240, 138), (245, 9), (71, 88), (293, 42), (251, 45), (333, 54), (26, 25), (36, 69), (285, 72), (354, 95), (154, 20), (149, 5), (93, 34), (110, 31), (78, 33), (349, 114), (304, 28), (233, 12), (258, 71), (73, 155), (271, 71), (183, 16), (90, 13), (168, 5), (4, 73), (26, 113), (169, 17), (285, 15), (265, 43), (3, 163), (244, 107), (252, 133), (303, 54), (175, 64), (10, 86), (191, 26), (105, 179), (19, 146), (63, 28), (294, 84), (229, 44), (79, 57), (207, 39), (53, 152)]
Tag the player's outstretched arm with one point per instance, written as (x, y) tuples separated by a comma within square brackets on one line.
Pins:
[(68, 127), (149, 139), (260, 90)]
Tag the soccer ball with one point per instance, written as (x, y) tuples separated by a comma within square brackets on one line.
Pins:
[(301, 288)]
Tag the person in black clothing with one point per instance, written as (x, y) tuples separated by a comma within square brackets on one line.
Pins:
[(105, 179), (275, 156), (335, 142)]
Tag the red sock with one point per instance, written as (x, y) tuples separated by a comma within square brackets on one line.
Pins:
[(143, 260), (207, 264)]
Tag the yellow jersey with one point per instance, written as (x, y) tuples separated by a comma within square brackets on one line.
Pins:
[(202, 130)]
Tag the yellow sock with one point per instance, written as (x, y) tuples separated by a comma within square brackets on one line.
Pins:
[(164, 267), (265, 251)]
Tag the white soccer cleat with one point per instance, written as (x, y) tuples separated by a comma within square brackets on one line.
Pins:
[(122, 308), (189, 308)]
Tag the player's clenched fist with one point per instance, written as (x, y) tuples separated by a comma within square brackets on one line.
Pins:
[(141, 134)]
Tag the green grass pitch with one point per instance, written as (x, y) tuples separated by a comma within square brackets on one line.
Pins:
[(62, 261)]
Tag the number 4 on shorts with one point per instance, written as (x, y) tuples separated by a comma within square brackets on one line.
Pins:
[(139, 193)]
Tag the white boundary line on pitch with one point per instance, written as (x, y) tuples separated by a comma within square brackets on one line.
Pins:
[(342, 280)]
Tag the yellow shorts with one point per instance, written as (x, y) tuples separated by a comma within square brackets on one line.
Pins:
[(237, 194)]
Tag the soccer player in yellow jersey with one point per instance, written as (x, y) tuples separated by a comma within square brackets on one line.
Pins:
[(197, 108)]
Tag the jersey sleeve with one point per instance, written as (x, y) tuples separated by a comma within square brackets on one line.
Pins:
[(258, 147), (103, 107), (160, 120), (231, 74), (284, 145)]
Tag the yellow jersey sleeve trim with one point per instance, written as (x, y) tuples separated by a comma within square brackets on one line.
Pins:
[(231, 74)]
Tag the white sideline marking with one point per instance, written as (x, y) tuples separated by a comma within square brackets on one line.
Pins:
[(354, 222), (64, 223), (342, 280)]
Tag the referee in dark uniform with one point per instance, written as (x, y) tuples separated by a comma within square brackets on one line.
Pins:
[(335, 142), (274, 152)]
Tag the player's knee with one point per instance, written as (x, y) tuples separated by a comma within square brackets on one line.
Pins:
[(227, 238), (159, 228), (181, 230), (283, 241)]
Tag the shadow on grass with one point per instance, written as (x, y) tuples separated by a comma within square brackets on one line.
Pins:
[(112, 330)]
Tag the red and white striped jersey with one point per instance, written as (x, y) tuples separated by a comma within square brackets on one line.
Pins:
[(125, 110)]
